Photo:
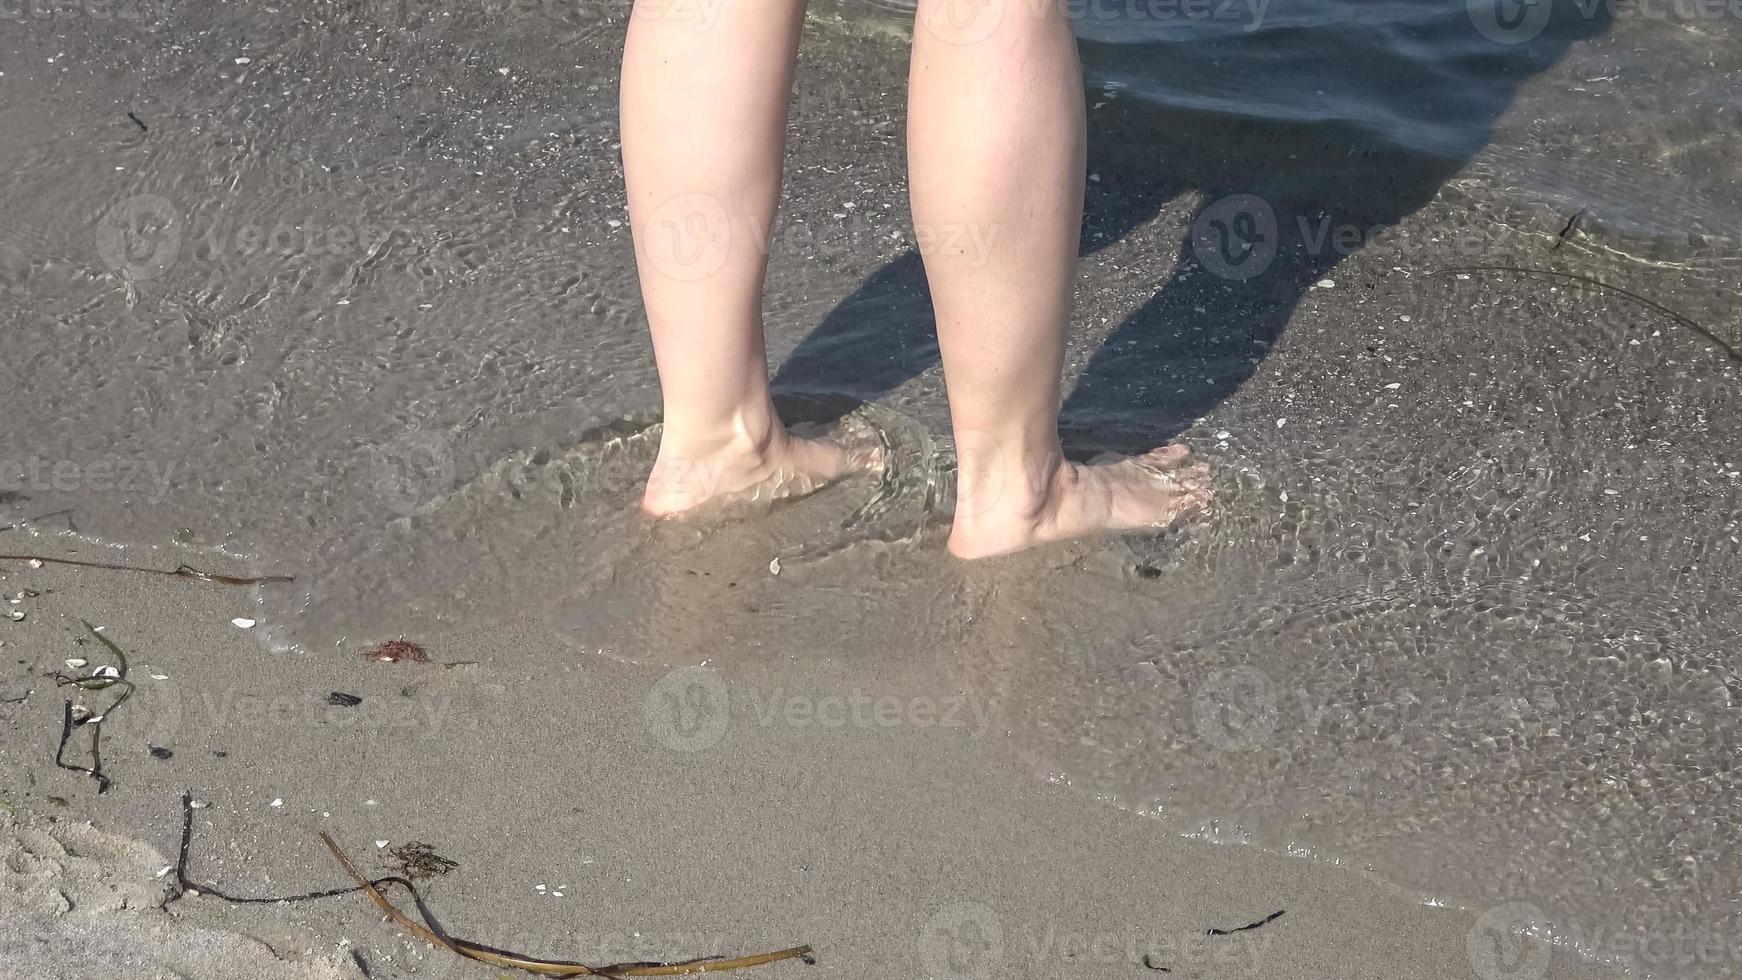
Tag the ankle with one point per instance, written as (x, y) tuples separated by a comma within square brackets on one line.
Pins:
[(752, 432), (1008, 488)]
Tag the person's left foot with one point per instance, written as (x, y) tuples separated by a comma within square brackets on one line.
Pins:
[(785, 466)]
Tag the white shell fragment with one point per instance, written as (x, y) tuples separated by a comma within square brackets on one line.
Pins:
[(243, 622), (74, 663)]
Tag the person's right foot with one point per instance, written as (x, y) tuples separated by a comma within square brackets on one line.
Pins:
[(1114, 493)]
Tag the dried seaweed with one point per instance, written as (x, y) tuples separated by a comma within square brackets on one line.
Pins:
[(418, 860), (101, 678), (1272, 917), (430, 932), (394, 651), (180, 571), (195, 888), (556, 968)]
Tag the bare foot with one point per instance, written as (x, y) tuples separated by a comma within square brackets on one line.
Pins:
[(782, 465), (1113, 493)]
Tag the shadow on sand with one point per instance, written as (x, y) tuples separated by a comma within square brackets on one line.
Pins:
[(1273, 193)]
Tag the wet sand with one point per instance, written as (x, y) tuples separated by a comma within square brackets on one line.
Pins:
[(902, 839), (1462, 630)]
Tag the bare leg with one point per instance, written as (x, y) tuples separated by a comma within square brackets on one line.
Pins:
[(704, 102), (996, 143)]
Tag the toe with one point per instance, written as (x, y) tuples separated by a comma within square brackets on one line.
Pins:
[(1172, 454)]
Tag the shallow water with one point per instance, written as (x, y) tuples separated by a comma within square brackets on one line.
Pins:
[(1464, 612)]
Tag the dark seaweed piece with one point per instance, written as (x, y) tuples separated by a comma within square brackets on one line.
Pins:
[(159, 752), (92, 682), (95, 771), (1272, 917), (432, 934), (185, 884), (343, 700), (180, 571), (139, 122), (1571, 225), (496, 957)]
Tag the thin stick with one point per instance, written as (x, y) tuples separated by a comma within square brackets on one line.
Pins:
[(1650, 304)]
